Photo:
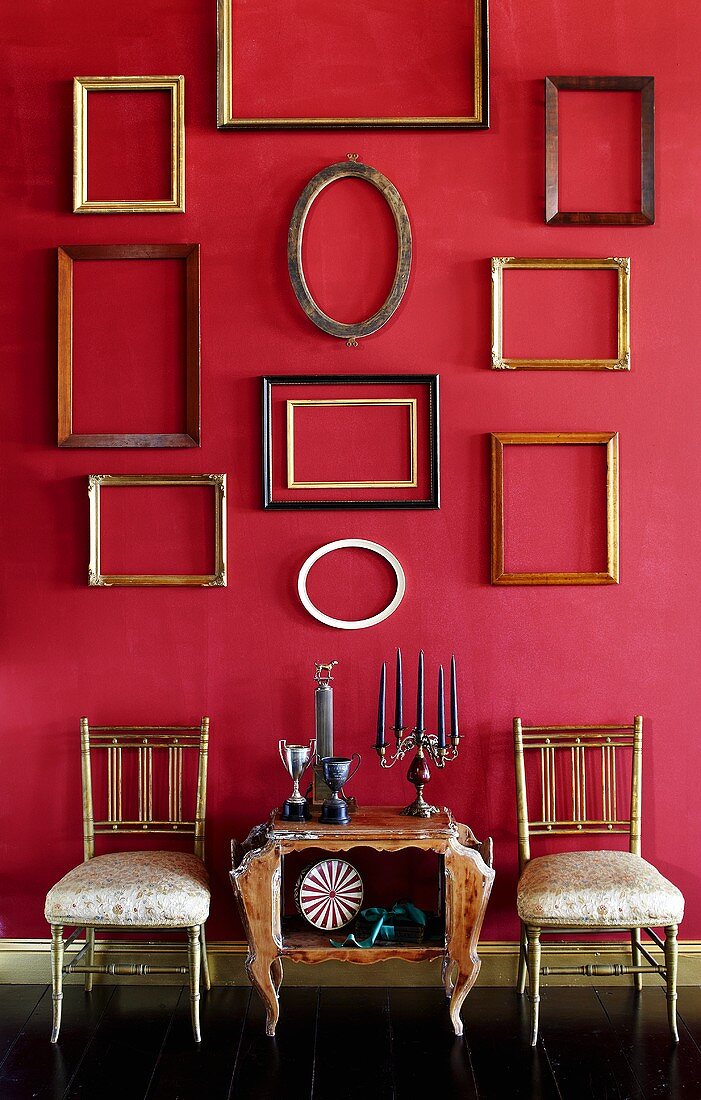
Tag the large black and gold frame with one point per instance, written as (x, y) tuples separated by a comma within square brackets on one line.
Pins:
[(430, 381)]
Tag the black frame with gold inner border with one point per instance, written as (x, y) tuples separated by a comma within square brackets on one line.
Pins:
[(430, 381)]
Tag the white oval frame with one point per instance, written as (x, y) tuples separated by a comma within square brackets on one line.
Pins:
[(351, 624)]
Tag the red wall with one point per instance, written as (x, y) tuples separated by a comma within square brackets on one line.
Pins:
[(244, 654)]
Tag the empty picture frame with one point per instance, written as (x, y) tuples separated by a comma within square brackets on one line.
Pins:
[(229, 119), (499, 441), (67, 256), (349, 169), (217, 482), (620, 264), (345, 442), (643, 84), (82, 87)]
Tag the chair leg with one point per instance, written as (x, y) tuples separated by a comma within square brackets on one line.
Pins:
[(636, 957), (89, 956), (193, 951), (533, 940), (522, 970), (670, 958), (205, 961), (56, 978)]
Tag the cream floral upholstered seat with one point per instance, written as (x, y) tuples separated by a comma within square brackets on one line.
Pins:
[(576, 790), (149, 781), (146, 889), (603, 889)]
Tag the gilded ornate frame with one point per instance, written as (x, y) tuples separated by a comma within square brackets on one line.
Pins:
[(479, 120), (430, 381), (643, 84), (209, 580), (504, 439), (82, 86), (67, 255), (350, 168), (620, 264)]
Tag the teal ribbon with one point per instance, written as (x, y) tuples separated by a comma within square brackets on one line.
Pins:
[(383, 924)]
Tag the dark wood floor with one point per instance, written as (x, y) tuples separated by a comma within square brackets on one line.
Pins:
[(362, 1043)]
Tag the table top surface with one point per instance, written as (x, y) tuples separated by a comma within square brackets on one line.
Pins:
[(367, 822)]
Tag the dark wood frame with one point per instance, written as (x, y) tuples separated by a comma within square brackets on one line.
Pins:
[(67, 256), (479, 120), (350, 168), (609, 440), (428, 380), (643, 84)]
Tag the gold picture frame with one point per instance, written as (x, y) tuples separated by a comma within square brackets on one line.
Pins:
[(217, 482), (609, 440), (409, 402), (478, 120), (82, 86), (620, 264)]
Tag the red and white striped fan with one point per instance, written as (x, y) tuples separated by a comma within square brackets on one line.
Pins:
[(329, 894)]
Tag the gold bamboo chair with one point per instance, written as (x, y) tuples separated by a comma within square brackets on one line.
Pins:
[(589, 891), (136, 891)]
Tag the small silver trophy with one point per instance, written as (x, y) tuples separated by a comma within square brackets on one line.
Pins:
[(296, 759)]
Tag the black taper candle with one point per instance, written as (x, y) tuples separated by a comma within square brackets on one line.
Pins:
[(399, 695), (420, 693), (441, 709), (454, 731), (380, 741)]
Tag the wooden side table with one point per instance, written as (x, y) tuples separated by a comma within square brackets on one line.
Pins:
[(467, 873)]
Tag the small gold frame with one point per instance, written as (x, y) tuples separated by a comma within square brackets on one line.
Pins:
[(82, 85), (479, 120), (410, 403), (621, 264), (216, 481), (606, 439)]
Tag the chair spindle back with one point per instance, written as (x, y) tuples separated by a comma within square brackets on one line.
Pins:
[(578, 743), (143, 746)]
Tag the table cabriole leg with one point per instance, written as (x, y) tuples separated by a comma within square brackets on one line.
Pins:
[(256, 884), (468, 886)]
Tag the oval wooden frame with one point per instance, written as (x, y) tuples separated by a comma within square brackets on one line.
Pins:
[(349, 170), (351, 624)]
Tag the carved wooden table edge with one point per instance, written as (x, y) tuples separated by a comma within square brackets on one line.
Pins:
[(256, 876)]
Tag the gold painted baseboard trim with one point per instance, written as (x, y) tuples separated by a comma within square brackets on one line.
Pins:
[(26, 961)]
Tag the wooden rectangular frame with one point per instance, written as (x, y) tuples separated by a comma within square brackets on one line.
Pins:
[(428, 380), (620, 264), (217, 482), (67, 255), (643, 84), (503, 439), (226, 120), (82, 86)]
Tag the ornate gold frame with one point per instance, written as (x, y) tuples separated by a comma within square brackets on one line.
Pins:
[(226, 120), (621, 264), (82, 85), (215, 579), (503, 439), (408, 402)]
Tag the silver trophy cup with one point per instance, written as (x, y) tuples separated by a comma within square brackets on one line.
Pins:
[(296, 759)]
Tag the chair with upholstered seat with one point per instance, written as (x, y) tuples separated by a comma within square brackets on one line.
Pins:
[(588, 891), (147, 772)]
